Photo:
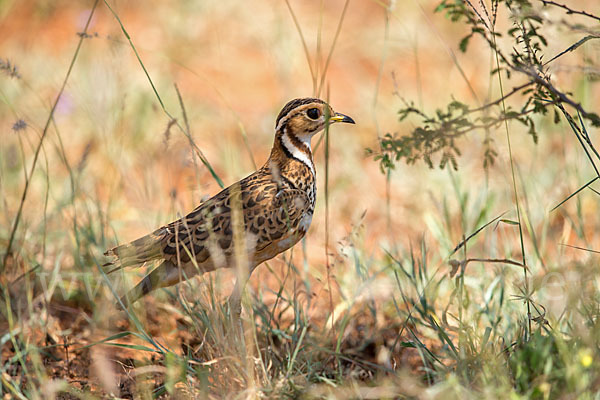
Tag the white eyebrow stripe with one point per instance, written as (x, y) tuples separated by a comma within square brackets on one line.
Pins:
[(296, 152)]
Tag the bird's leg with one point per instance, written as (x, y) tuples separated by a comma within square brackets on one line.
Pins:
[(235, 311), (235, 299), (165, 275)]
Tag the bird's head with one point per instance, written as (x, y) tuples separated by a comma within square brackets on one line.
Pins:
[(303, 118)]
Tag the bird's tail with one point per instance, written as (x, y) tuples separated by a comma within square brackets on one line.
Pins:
[(139, 251)]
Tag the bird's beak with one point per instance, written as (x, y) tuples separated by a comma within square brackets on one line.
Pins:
[(341, 118)]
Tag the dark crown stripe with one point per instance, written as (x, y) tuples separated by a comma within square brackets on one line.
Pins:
[(293, 104)]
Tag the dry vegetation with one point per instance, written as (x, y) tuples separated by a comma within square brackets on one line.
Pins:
[(373, 303)]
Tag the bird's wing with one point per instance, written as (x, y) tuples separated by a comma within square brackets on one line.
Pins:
[(270, 214)]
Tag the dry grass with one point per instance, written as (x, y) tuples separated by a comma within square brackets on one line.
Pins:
[(365, 306)]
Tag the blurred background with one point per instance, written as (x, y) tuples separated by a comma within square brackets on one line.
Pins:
[(113, 166)]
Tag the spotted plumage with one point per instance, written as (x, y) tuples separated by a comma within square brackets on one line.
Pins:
[(264, 214)]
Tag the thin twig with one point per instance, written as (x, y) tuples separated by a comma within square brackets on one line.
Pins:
[(569, 10), (573, 47), (455, 264), (580, 248), (188, 130), (561, 96), (464, 242), (574, 193), (514, 184)]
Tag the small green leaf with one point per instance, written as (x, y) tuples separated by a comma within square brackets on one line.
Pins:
[(408, 344), (464, 43)]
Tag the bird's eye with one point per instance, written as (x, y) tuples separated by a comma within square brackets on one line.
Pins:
[(313, 113)]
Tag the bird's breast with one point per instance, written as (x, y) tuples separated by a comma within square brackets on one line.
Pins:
[(298, 233)]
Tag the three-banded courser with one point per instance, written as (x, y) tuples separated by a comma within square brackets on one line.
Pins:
[(264, 214)]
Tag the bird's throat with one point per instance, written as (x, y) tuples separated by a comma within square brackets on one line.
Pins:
[(298, 149)]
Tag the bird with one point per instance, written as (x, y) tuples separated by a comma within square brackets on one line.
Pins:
[(245, 224)]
